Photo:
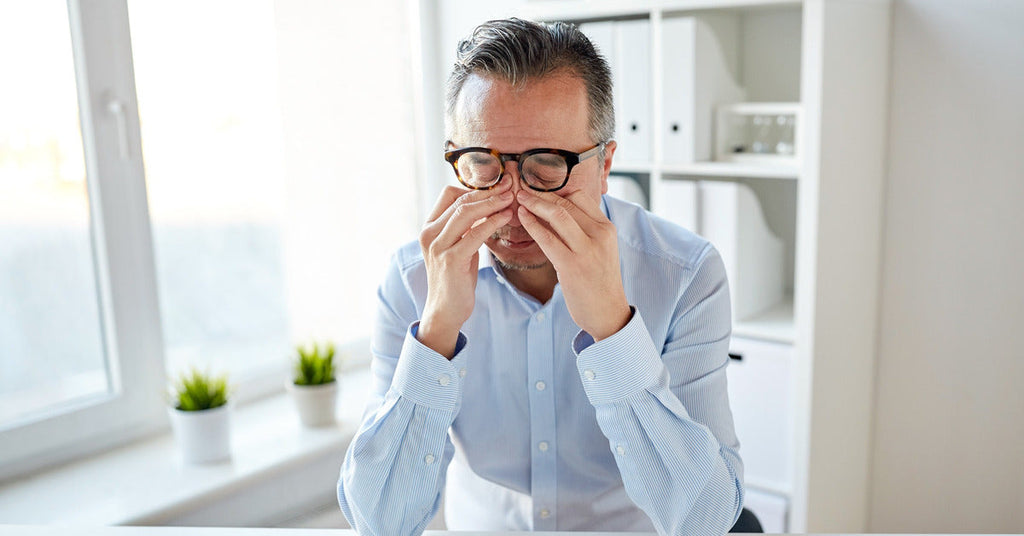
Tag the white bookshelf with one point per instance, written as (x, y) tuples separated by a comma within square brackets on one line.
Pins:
[(830, 59)]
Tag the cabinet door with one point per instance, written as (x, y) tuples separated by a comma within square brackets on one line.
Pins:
[(760, 389)]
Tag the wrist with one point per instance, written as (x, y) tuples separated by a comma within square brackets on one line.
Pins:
[(438, 337), (615, 324)]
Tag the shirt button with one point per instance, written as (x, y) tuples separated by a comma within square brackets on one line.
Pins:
[(588, 374), (444, 380), (545, 513), (543, 446), (540, 317), (462, 373), (541, 386), (620, 450), (428, 459)]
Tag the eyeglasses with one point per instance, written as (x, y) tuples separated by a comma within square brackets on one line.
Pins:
[(544, 170)]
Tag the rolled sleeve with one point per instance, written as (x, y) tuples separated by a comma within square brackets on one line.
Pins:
[(619, 366), (425, 377)]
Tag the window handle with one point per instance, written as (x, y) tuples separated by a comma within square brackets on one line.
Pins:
[(116, 108)]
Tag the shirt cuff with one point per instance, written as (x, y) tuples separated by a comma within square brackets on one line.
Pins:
[(425, 377), (621, 365)]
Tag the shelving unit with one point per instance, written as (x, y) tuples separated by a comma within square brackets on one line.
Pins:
[(730, 170), (830, 58), (801, 396)]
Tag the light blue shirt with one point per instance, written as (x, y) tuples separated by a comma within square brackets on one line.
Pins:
[(533, 425)]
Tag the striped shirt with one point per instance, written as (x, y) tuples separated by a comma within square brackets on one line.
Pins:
[(533, 425)]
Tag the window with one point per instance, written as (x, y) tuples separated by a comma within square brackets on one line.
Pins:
[(264, 150), (50, 328), (262, 127)]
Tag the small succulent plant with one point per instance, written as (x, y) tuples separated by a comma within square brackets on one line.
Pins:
[(197, 391), (314, 365)]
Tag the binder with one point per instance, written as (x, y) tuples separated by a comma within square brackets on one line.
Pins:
[(633, 91), (700, 61), (677, 89), (731, 218)]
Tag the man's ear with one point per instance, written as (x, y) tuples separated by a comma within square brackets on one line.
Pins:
[(609, 151)]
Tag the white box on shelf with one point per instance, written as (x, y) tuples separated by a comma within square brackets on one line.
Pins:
[(732, 219), (677, 203), (758, 133), (700, 59), (760, 376), (626, 188)]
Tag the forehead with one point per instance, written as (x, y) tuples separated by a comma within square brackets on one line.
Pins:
[(546, 112)]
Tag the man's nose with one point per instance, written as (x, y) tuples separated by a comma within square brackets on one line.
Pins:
[(512, 174)]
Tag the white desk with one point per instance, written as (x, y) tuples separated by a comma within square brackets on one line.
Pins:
[(28, 530)]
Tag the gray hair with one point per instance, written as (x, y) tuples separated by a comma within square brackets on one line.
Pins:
[(518, 51)]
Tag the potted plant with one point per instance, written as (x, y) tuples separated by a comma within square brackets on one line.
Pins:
[(313, 386), (199, 414)]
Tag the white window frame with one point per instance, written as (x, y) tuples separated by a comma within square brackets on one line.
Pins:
[(123, 257)]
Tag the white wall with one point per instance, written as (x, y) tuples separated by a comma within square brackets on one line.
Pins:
[(949, 415)]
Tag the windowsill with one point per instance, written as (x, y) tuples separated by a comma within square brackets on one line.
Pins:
[(146, 483)]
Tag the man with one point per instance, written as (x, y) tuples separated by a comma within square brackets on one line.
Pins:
[(551, 358)]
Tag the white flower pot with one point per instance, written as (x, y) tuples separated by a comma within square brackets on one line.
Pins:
[(203, 436), (316, 403)]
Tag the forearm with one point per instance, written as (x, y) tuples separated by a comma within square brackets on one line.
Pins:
[(393, 474), (673, 467)]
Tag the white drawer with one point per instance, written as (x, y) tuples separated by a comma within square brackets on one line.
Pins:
[(760, 395), (770, 508)]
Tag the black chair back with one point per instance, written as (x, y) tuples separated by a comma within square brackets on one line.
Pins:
[(747, 523)]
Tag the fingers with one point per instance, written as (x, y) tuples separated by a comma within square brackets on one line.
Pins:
[(588, 205), (563, 216), (465, 215), (448, 196), (552, 246), (475, 237), (448, 203)]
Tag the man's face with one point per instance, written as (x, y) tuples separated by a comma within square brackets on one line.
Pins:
[(548, 113)]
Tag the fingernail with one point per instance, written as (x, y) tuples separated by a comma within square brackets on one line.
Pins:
[(505, 196)]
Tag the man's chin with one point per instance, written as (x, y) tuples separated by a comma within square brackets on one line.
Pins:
[(523, 255)]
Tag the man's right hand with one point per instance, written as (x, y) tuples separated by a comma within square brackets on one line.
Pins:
[(450, 244)]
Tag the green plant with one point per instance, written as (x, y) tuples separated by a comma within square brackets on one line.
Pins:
[(313, 366), (198, 391)]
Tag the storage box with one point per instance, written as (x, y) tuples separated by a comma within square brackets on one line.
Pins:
[(758, 133)]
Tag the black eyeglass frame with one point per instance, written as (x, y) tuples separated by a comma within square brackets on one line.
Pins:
[(571, 159)]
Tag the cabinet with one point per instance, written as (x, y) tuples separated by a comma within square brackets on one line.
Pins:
[(803, 232)]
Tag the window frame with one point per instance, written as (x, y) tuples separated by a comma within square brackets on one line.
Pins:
[(122, 255)]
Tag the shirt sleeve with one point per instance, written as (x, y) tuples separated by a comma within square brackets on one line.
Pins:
[(665, 410), (394, 470)]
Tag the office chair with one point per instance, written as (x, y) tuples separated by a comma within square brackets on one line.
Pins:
[(747, 522)]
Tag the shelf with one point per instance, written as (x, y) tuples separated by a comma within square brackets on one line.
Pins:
[(578, 10), (775, 324), (732, 169), (632, 167)]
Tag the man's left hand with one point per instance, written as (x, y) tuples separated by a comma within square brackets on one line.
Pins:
[(582, 245)]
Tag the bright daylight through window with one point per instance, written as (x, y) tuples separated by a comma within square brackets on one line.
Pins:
[(51, 343), (280, 174), (259, 192)]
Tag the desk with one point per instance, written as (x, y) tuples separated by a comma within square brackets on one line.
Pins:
[(29, 530)]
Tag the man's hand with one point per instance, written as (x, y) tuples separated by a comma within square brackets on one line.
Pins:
[(582, 245), (458, 225)]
